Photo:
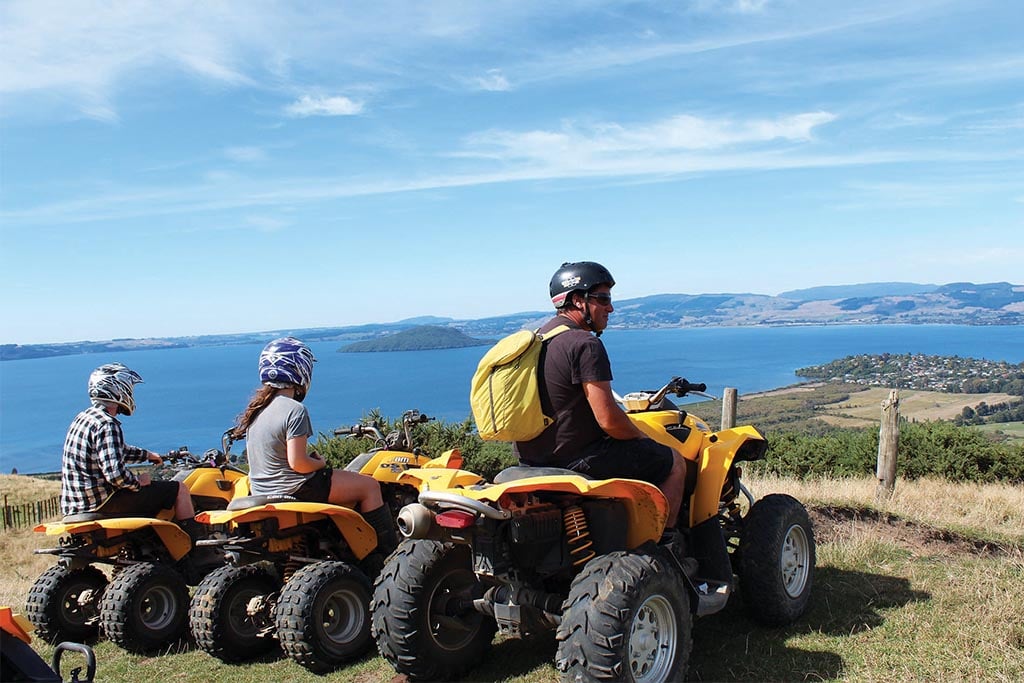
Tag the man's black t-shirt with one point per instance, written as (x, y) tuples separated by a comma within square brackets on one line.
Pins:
[(566, 362)]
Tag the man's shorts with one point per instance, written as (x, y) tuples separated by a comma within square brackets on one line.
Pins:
[(316, 489), (643, 459), (146, 502)]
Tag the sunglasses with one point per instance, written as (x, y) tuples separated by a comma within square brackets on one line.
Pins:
[(603, 298)]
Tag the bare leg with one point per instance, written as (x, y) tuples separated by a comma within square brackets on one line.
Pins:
[(183, 508), (673, 488), (355, 490)]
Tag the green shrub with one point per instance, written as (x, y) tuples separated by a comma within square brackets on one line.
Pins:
[(935, 449)]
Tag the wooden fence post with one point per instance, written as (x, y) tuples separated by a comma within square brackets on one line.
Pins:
[(729, 408), (888, 442)]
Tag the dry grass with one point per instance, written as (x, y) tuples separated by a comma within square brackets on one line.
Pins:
[(18, 489), (993, 512), (864, 407)]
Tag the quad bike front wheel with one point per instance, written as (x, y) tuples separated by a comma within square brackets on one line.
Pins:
[(323, 615), (627, 618), (63, 603), (229, 611), (420, 622), (145, 607), (776, 560)]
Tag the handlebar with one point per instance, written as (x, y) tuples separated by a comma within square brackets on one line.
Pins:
[(395, 440)]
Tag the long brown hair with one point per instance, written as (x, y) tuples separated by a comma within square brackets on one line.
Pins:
[(260, 400)]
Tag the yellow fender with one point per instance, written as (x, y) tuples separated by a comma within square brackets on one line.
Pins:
[(437, 479), (177, 541), (646, 505), (716, 458), (359, 535)]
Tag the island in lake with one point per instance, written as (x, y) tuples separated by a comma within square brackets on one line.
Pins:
[(419, 338)]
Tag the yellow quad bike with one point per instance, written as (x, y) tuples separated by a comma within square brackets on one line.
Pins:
[(300, 572), (548, 549), (145, 605)]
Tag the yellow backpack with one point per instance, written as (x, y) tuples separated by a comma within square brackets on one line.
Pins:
[(504, 396)]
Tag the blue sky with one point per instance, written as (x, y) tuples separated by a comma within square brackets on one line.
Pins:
[(175, 168)]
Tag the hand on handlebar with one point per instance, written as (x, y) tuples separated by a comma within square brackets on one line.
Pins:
[(155, 458)]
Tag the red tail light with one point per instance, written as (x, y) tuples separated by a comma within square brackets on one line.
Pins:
[(455, 519)]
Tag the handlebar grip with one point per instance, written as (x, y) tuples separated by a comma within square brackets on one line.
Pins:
[(342, 431), (699, 387)]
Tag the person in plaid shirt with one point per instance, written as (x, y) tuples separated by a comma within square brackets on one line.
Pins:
[(94, 472)]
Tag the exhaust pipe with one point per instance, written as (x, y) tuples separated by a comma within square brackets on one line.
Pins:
[(415, 521)]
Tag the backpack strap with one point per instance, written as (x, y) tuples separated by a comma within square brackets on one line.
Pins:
[(547, 336), (552, 333)]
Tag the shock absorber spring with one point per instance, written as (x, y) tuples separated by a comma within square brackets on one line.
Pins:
[(293, 564), (580, 545)]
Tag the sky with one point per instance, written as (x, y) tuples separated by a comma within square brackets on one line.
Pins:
[(175, 168)]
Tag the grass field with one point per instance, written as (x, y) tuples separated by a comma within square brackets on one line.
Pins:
[(925, 587)]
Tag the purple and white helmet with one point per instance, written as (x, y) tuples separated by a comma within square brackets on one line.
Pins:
[(286, 362), (114, 382)]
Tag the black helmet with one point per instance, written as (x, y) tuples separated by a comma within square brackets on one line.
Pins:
[(577, 277)]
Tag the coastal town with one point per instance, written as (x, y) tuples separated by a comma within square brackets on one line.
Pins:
[(919, 371)]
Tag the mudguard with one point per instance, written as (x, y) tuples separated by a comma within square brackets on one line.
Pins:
[(646, 506), (360, 536), (176, 541), (717, 456), (436, 479)]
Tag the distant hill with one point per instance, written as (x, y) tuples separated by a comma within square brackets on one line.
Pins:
[(874, 289), (958, 303), (419, 338)]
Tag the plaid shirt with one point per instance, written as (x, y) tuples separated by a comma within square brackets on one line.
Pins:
[(95, 458)]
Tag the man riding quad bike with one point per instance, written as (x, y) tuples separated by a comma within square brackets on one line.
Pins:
[(301, 572), (154, 561), (547, 549)]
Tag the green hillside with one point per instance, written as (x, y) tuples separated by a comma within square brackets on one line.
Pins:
[(418, 338)]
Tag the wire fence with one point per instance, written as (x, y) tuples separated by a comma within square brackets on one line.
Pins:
[(30, 514)]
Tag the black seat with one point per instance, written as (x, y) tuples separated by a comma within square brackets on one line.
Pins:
[(525, 472), (83, 517), (255, 501)]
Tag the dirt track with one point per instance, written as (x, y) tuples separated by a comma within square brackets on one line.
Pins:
[(838, 523)]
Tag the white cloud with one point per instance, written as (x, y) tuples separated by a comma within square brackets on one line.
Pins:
[(586, 145), (319, 105), (494, 81)]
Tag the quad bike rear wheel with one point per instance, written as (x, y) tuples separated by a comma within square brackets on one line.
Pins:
[(417, 621), (220, 618), (776, 560), (63, 603), (323, 615), (145, 607), (627, 618)]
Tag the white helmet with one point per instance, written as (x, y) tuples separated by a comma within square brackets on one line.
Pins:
[(114, 382)]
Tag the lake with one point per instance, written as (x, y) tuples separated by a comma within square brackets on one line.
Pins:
[(190, 396)]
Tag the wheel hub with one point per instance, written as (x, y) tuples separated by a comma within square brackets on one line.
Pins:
[(652, 640), (794, 561)]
